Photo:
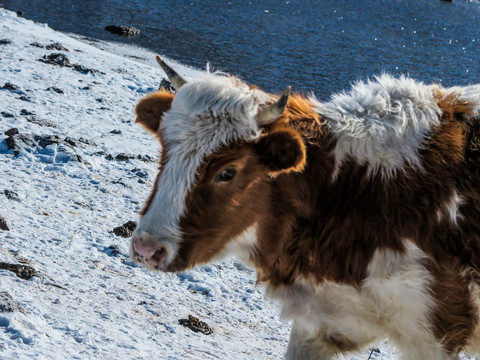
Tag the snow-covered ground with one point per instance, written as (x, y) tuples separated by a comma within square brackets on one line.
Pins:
[(67, 190)]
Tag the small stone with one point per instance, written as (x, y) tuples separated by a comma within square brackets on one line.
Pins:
[(3, 224), (56, 46), (22, 271), (124, 157), (115, 250), (57, 90), (122, 30), (8, 304), (11, 195), (11, 132), (196, 325), (11, 143), (56, 59), (5, 41), (70, 141), (7, 114), (116, 132), (10, 86), (25, 112)]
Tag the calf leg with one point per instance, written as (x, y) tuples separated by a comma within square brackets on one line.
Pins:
[(304, 347)]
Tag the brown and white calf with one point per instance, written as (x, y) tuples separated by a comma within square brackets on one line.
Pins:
[(361, 215)]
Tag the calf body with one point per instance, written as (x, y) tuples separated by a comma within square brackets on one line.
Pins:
[(361, 214)]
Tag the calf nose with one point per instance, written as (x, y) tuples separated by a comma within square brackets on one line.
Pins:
[(149, 252)]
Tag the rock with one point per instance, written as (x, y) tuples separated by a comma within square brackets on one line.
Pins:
[(22, 271), (36, 44), (196, 325), (8, 304), (44, 141), (26, 112), (84, 70), (11, 143), (13, 88), (116, 132), (11, 195), (3, 224), (57, 90), (11, 132), (124, 157), (56, 59), (126, 230), (70, 141), (7, 114), (5, 41), (10, 86), (56, 46), (122, 30), (114, 250)]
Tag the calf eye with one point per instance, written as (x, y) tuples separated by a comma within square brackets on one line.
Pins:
[(226, 175)]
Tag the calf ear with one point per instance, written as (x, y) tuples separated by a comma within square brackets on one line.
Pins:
[(150, 109), (282, 151)]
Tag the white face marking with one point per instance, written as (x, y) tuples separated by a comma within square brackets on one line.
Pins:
[(205, 114), (241, 247), (450, 210), (381, 123), (393, 301)]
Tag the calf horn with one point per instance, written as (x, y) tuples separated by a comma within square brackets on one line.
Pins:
[(175, 78), (268, 114)]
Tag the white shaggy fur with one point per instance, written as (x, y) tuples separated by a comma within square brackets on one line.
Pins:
[(381, 123), (205, 115), (393, 301)]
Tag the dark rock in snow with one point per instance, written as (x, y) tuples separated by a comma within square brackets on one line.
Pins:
[(114, 250), (13, 88), (56, 59), (10, 86), (122, 30), (196, 325), (41, 122), (3, 224), (5, 41), (57, 90), (116, 132), (36, 44), (44, 141), (85, 70), (22, 271), (11, 143), (70, 141), (124, 157), (25, 112), (11, 132), (11, 195), (56, 46), (126, 230), (7, 114), (8, 304)]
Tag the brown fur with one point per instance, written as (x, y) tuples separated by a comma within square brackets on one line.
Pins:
[(313, 227), (149, 112), (150, 109)]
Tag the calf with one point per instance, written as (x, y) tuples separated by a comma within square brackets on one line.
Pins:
[(361, 215)]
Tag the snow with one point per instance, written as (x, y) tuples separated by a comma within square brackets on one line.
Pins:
[(89, 300)]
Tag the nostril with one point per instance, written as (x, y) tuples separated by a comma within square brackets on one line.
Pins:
[(159, 254)]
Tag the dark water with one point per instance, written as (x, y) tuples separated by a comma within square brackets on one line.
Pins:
[(311, 45)]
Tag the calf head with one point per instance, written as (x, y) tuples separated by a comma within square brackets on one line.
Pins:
[(223, 142)]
